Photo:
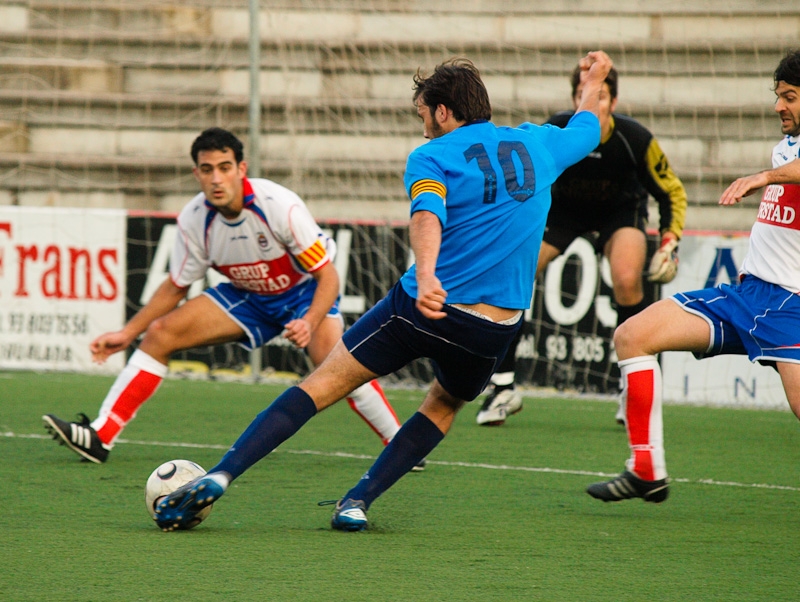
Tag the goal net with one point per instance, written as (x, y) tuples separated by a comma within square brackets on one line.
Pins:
[(100, 100), (567, 334)]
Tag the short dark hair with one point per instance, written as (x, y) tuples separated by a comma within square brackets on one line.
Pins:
[(217, 139), (611, 80), (457, 85), (789, 68)]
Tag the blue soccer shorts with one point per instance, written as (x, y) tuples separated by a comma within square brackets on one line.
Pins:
[(262, 317), (753, 318), (463, 349)]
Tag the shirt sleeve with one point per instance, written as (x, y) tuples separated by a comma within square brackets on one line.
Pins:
[(424, 181), (189, 261), (305, 240), (578, 138), (666, 188), (573, 142)]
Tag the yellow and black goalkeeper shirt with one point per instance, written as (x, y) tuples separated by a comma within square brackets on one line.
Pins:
[(617, 176)]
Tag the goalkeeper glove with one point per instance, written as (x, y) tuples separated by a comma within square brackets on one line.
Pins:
[(664, 265)]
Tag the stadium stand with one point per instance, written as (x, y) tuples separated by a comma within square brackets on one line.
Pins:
[(99, 101)]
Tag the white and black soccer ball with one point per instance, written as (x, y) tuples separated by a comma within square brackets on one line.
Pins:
[(167, 478)]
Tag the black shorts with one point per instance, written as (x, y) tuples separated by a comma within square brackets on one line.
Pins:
[(560, 231), (463, 349)]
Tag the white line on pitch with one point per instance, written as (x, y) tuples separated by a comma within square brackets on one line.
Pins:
[(311, 452)]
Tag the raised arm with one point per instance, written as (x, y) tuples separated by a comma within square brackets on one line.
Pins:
[(594, 70), (747, 185)]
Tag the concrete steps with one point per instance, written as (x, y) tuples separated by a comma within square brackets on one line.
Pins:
[(102, 101)]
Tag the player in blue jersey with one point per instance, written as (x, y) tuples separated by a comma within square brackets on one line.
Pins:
[(479, 201)]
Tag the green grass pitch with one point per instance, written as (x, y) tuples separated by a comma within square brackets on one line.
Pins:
[(499, 515)]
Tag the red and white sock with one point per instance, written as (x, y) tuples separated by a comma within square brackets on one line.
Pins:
[(137, 383), (369, 402), (641, 392)]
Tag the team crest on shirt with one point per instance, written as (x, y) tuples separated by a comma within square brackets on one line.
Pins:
[(263, 243)]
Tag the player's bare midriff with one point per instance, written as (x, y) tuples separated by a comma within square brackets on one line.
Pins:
[(491, 312)]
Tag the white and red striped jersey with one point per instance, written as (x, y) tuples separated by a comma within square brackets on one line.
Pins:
[(774, 253), (273, 245)]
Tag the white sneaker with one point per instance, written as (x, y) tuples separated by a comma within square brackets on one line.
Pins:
[(499, 405)]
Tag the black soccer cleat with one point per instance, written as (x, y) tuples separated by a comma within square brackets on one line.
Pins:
[(627, 486), (80, 437)]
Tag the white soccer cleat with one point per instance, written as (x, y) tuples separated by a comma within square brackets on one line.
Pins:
[(497, 406)]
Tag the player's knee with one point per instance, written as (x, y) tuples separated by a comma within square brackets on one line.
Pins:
[(158, 336), (628, 289), (628, 339)]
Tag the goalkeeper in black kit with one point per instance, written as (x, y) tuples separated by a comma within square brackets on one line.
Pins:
[(605, 196)]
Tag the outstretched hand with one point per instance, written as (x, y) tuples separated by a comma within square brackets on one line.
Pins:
[(108, 344), (741, 188)]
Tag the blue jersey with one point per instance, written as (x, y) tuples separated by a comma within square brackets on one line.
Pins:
[(490, 188)]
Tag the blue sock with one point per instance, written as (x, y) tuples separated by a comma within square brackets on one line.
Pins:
[(413, 442), (282, 419)]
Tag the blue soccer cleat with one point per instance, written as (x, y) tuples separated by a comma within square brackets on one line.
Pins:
[(179, 509), (350, 515)]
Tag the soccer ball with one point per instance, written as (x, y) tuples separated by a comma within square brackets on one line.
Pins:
[(167, 478)]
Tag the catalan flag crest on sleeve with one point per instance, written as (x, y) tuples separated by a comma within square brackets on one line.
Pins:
[(314, 256), (433, 186)]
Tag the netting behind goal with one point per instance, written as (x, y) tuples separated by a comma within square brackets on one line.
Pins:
[(100, 100), (567, 341), (371, 257)]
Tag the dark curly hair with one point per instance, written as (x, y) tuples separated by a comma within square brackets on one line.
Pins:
[(217, 139), (789, 68), (457, 85)]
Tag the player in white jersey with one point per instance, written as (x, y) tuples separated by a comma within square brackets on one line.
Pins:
[(282, 280), (774, 253), (758, 316)]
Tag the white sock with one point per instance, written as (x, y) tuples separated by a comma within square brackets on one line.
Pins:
[(369, 402)]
